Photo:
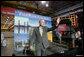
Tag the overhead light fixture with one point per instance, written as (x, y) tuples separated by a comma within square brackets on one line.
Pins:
[(21, 7), (33, 11), (43, 2), (8, 17), (47, 5)]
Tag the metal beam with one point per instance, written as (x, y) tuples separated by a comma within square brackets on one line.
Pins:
[(80, 10), (68, 9), (4, 28), (12, 27), (28, 7)]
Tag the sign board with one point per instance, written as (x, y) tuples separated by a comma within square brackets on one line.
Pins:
[(23, 23), (9, 11), (61, 27)]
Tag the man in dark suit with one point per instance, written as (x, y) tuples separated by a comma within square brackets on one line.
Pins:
[(39, 37)]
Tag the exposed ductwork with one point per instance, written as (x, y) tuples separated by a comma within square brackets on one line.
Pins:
[(68, 9), (77, 11), (24, 7)]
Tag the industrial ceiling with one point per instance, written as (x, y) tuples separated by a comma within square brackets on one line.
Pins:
[(35, 7)]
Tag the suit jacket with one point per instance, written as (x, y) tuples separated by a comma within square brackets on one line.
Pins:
[(41, 40)]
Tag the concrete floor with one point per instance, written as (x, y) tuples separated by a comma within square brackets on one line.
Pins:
[(8, 50)]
